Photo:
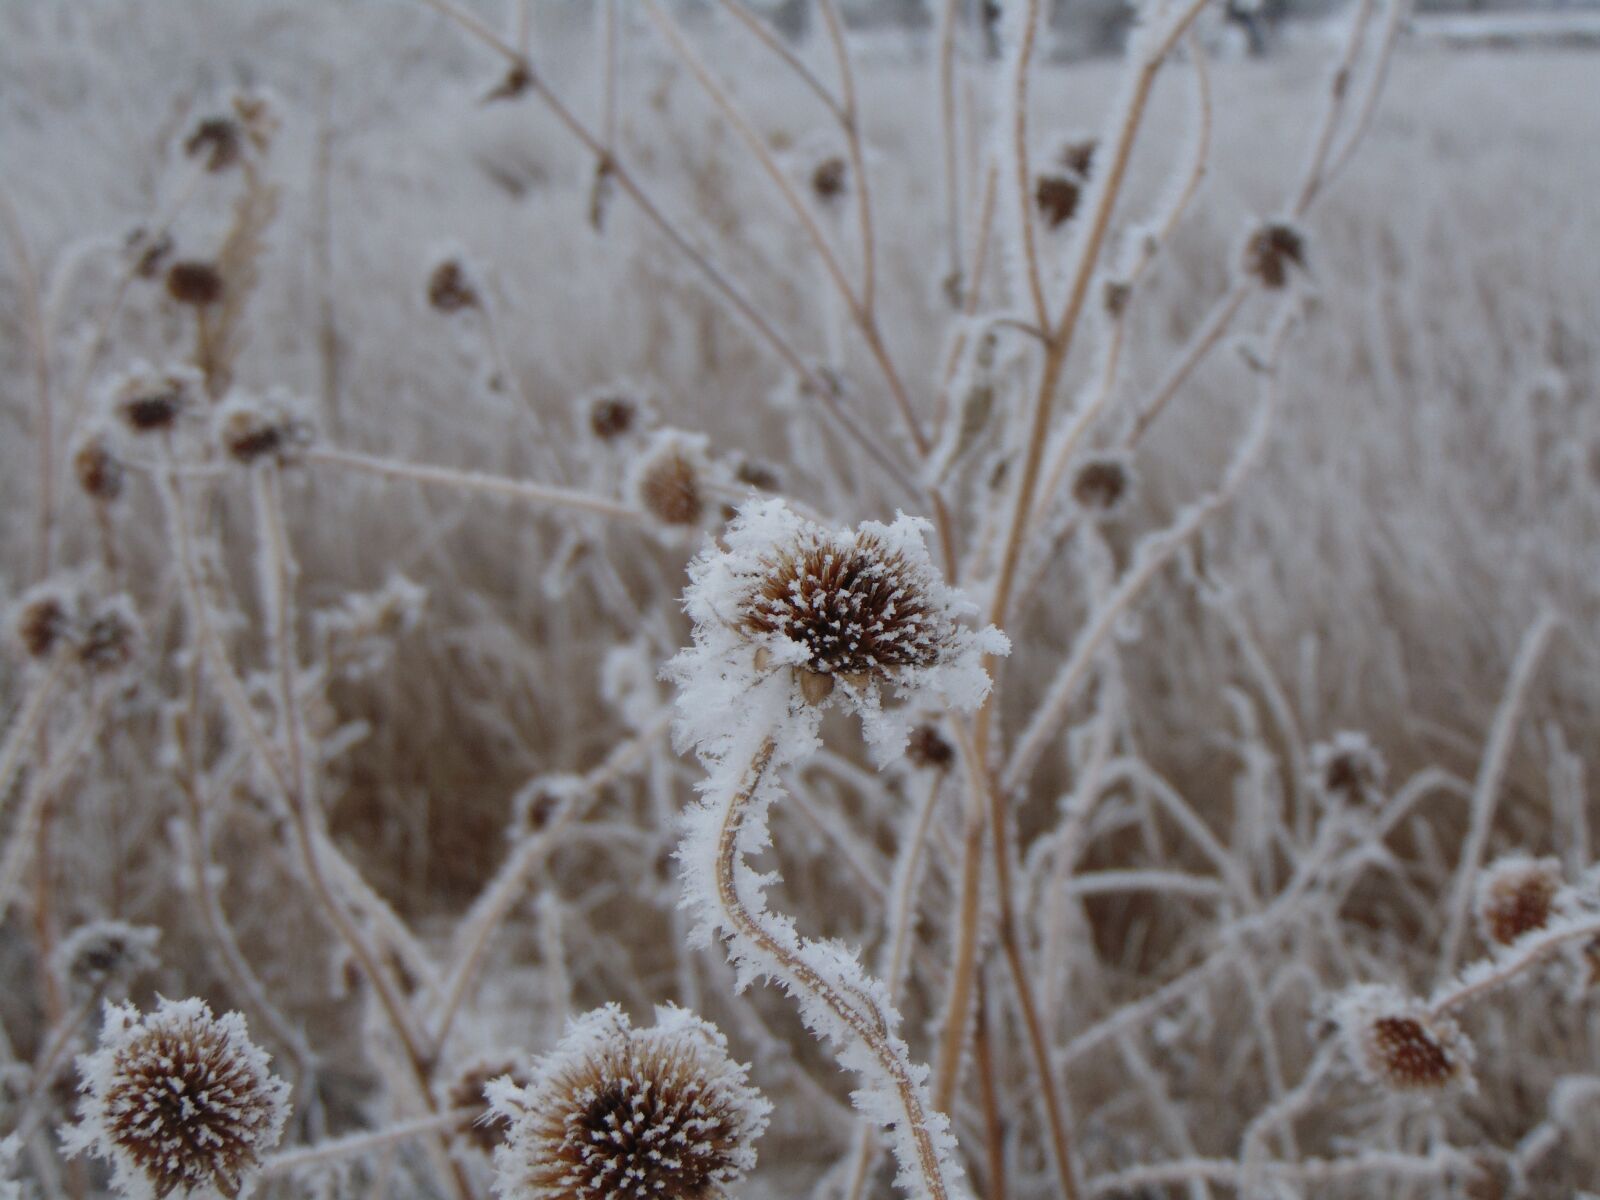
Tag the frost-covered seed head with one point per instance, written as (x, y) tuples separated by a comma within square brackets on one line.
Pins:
[(1398, 1044), (617, 1113), (178, 1101), (1271, 251), (219, 140), (450, 288), (1517, 896), (103, 955), (669, 478), (98, 471), (110, 637), (928, 749), (193, 282), (1057, 193), (612, 416), (252, 429), (150, 401), (1347, 767), (43, 620), (1103, 483)]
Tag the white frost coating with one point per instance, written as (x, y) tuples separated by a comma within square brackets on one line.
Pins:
[(614, 1111), (231, 1113), (789, 617)]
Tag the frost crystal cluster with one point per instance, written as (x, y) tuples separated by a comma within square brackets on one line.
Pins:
[(619, 1112), (178, 1101)]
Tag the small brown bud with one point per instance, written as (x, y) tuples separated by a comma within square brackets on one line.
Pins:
[(1271, 251), (43, 620), (829, 179), (928, 749), (1057, 196), (668, 479), (517, 80), (148, 252), (612, 416), (1347, 767), (219, 140), (450, 289), (252, 429), (1077, 156), (191, 281), (99, 473), (815, 687), (1117, 295), (1103, 483)]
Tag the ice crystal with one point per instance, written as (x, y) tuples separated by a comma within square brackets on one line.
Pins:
[(616, 1112)]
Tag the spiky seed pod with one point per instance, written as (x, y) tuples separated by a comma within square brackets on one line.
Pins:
[(617, 1113), (102, 956), (194, 282), (450, 287), (1347, 767), (98, 471), (668, 479), (110, 637), (1516, 896), (178, 1101), (43, 620), (928, 748), (252, 429), (151, 401), (1398, 1044), (1271, 251), (219, 140), (1056, 193), (1103, 484)]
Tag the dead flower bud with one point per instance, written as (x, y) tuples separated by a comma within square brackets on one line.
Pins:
[(1271, 251), (1103, 484), (252, 429), (194, 282), (1347, 767), (179, 1102), (1398, 1044), (668, 478), (1517, 895), (928, 748), (518, 79), (450, 287), (1057, 194), (830, 179), (150, 401), (219, 140), (43, 620), (612, 414), (98, 471), (629, 1114)]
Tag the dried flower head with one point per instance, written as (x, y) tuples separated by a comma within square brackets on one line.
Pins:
[(928, 748), (830, 179), (615, 1112), (178, 1101), (1056, 193), (450, 287), (102, 956), (1517, 895), (1347, 767), (98, 471), (252, 429), (151, 401), (1398, 1043), (614, 413), (1103, 483), (1272, 250), (195, 282), (110, 637), (43, 620), (790, 599), (219, 140), (668, 479)]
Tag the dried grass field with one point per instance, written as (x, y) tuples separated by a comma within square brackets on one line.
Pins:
[(1044, 609)]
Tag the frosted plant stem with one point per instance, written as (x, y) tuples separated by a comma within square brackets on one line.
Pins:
[(39, 346), (1228, 1173), (20, 737), (1486, 790), (1527, 952), (338, 1149), (475, 481), (1022, 173), (855, 1012)]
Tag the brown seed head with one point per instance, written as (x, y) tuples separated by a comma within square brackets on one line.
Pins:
[(1057, 195), (1517, 896), (98, 471), (612, 416), (1399, 1044), (1347, 767), (829, 179), (43, 621), (1077, 155), (152, 401), (191, 281), (668, 484), (179, 1101), (1271, 251), (928, 748), (450, 289), (625, 1114), (1103, 483), (857, 607), (110, 638), (219, 140), (255, 429)]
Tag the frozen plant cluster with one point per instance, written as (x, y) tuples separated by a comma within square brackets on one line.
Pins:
[(1032, 615)]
